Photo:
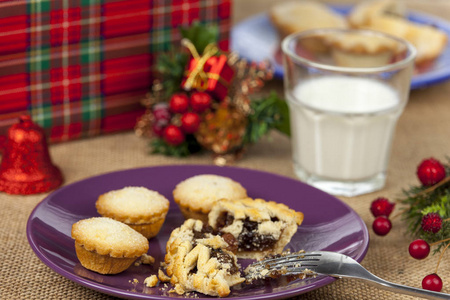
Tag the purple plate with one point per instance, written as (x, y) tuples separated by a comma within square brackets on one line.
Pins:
[(329, 224)]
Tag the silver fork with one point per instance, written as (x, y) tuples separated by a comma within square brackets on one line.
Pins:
[(332, 264)]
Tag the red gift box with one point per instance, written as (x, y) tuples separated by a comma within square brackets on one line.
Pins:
[(81, 67), (219, 76), (208, 72)]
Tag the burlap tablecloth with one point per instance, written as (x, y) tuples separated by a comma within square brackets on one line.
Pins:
[(423, 131)]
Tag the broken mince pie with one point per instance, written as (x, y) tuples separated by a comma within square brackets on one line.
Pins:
[(198, 260), (259, 227)]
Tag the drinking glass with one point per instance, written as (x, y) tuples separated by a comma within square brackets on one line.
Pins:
[(345, 90)]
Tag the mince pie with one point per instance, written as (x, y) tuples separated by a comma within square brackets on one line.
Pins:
[(196, 195), (107, 246), (198, 260), (142, 209), (259, 227)]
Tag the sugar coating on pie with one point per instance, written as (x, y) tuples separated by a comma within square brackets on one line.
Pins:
[(133, 205), (107, 246), (109, 237), (259, 227), (198, 260), (198, 193), (142, 209)]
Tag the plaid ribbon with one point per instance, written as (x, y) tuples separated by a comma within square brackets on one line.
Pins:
[(80, 67)]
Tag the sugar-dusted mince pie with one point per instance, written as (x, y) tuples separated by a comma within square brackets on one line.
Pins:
[(260, 227), (198, 260), (196, 195), (107, 246), (142, 209)]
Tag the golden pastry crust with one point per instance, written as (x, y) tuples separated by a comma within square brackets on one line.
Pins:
[(133, 205), (363, 13), (107, 246), (103, 264), (429, 42), (260, 227), (142, 209), (295, 16), (389, 16), (199, 261), (196, 195)]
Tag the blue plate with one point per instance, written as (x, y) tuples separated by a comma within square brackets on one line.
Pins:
[(256, 39)]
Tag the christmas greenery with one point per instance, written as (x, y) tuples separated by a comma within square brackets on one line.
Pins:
[(267, 113), (189, 146), (170, 66), (200, 35), (422, 200)]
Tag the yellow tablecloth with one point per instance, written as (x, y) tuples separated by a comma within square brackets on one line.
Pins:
[(423, 131)]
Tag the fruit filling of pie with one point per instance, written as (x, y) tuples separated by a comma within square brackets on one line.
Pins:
[(249, 238), (254, 228)]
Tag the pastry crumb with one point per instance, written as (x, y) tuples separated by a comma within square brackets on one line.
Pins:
[(179, 289), (151, 281), (163, 277), (147, 259)]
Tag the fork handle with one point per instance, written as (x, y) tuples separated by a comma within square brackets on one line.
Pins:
[(403, 289)]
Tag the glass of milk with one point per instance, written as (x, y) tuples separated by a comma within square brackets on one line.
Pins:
[(346, 90)]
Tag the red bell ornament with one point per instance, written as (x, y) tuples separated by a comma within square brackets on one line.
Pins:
[(26, 167)]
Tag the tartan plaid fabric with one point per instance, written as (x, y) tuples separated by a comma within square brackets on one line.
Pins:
[(81, 67)]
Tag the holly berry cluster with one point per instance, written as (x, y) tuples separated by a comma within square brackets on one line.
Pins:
[(428, 215), (214, 112), (180, 117), (381, 209)]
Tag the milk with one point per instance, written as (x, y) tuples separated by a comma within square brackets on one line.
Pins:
[(342, 127)]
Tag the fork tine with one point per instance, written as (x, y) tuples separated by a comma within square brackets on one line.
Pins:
[(288, 257), (291, 264), (287, 260)]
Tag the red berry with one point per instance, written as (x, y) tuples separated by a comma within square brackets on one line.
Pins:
[(161, 112), (381, 207), (419, 249), (200, 101), (190, 122), (430, 171), (432, 282), (179, 103), (381, 225), (431, 222), (173, 135)]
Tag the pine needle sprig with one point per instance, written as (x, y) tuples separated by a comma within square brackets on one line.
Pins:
[(170, 67), (267, 114)]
